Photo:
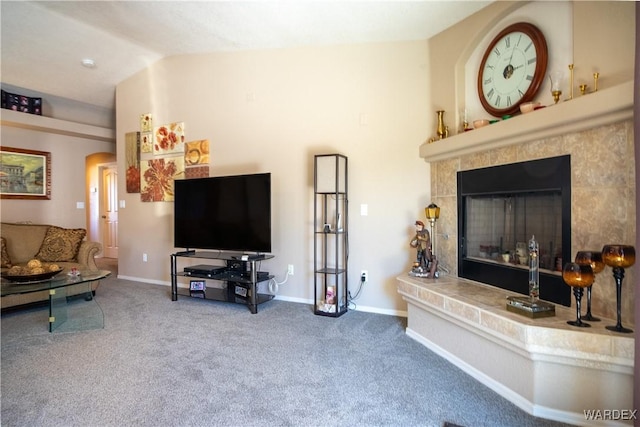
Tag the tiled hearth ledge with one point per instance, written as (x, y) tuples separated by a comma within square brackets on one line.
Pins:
[(544, 366), (606, 106)]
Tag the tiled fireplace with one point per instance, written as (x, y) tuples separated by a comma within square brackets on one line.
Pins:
[(598, 135), (546, 367)]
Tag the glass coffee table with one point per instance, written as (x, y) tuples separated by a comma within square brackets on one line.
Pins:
[(71, 303)]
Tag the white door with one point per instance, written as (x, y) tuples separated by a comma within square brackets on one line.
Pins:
[(109, 211)]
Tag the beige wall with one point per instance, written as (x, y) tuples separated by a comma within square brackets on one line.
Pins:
[(604, 34), (271, 111), (603, 41), (452, 47), (68, 182)]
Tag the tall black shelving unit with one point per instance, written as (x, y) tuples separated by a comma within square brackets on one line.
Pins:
[(331, 231)]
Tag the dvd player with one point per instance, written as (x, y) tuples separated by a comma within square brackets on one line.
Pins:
[(204, 270), (261, 276)]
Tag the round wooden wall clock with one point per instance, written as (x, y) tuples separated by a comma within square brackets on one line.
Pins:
[(512, 69)]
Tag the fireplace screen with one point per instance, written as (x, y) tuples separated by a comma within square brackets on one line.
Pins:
[(500, 208), (498, 228)]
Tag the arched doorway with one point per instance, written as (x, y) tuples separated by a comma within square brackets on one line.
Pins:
[(94, 194)]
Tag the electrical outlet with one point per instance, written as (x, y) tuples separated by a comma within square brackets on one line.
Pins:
[(144, 258), (290, 270), (364, 276)]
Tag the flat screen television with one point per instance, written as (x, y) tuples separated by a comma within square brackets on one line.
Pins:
[(228, 213)]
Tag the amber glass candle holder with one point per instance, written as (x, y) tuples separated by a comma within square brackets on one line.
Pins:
[(578, 276), (594, 259), (619, 257)]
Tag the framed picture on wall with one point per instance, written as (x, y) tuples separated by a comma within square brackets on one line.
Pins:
[(25, 174)]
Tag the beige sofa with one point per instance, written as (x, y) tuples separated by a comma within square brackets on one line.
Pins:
[(67, 248)]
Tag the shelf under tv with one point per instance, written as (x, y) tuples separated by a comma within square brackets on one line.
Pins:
[(237, 282), (227, 294)]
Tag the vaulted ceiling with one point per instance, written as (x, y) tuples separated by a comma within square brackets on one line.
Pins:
[(44, 42)]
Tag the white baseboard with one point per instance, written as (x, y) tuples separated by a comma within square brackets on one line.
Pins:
[(307, 301), (522, 403)]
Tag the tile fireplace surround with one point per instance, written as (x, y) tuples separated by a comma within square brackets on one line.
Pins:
[(544, 366)]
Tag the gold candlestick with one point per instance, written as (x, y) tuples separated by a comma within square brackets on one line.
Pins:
[(595, 81), (583, 89), (570, 81)]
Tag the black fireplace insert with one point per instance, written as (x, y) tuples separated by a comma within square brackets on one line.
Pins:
[(500, 209)]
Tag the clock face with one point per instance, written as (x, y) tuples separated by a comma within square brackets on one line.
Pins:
[(512, 69)]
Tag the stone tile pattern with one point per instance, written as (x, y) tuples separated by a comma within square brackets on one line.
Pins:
[(483, 307), (602, 197)]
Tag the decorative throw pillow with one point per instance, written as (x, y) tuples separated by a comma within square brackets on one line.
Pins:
[(6, 260), (61, 244)]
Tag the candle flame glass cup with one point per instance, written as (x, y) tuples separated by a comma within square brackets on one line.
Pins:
[(578, 276), (619, 257), (594, 259), (556, 79), (622, 256)]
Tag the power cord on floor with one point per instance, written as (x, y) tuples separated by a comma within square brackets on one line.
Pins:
[(274, 284), (353, 298)]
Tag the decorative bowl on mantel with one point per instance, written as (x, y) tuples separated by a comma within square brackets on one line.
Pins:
[(528, 107), (477, 124)]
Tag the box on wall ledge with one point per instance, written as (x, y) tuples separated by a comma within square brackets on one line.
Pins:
[(24, 104)]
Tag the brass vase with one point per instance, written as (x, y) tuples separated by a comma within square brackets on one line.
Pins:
[(442, 131)]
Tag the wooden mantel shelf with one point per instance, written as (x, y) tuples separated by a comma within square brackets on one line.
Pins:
[(57, 126), (584, 112)]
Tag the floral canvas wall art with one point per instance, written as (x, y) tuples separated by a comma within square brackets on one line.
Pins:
[(132, 159), (168, 139), (146, 142), (157, 176), (197, 152), (146, 122)]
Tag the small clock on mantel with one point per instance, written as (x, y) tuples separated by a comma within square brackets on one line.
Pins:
[(512, 69)]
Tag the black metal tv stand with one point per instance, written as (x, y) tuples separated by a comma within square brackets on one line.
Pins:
[(236, 275)]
